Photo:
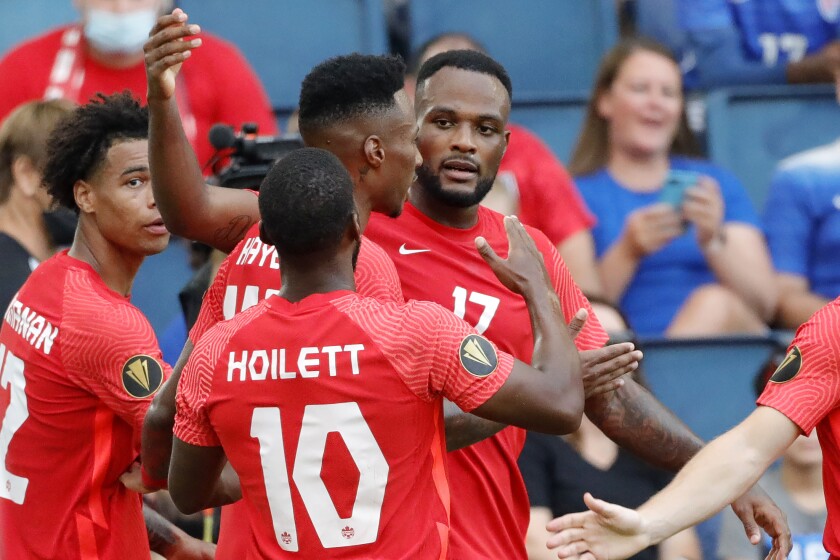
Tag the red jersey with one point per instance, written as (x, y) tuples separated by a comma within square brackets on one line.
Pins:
[(248, 275), (329, 410), (806, 389), (490, 510), (79, 367), (219, 84), (547, 195)]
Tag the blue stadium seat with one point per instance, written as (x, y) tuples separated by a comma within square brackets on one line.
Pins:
[(707, 382), (24, 19), (547, 46), (284, 39), (750, 129), (556, 121)]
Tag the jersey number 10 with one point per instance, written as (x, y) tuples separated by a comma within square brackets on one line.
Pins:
[(362, 527)]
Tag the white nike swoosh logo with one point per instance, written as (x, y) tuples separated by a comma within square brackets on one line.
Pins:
[(404, 251)]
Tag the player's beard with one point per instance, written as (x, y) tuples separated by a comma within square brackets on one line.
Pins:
[(431, 183)]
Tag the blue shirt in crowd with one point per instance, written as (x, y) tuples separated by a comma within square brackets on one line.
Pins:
[(802, 218), (739, 42), (664, 279)]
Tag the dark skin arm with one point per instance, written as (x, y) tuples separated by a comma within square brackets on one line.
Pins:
[(199, 478), (190, 208), (171, 542), (634, 419)]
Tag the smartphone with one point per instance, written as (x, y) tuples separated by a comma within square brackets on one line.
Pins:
[(673, 191)]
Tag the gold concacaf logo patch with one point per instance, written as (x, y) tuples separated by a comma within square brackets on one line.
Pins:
[(789, 367), (142, 376), (478, 356)]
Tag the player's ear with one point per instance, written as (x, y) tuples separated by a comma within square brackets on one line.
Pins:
[(264, 236), (374, 151), (357, 227), (85, 196)]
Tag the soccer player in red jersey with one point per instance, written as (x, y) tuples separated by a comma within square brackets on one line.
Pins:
[(462, 106), (328, 404), (802, 394), (79, 363)]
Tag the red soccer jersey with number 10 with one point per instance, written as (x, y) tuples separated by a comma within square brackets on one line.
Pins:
[(806, 389), (329, 410), (79, 367), (490, 510), (248, 275)]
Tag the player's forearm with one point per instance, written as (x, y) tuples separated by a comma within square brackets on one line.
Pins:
[(617, 268), (634, 419), (180, 191), (554, 351), (464, 429)]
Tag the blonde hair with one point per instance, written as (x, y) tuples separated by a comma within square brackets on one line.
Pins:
[(24, 133), (592, 150)]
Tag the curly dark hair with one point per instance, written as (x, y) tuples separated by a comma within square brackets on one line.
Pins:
[(345, 87), (306, 202), (473, 61), (78, 145)]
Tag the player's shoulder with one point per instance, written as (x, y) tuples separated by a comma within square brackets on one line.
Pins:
[(823, 327)]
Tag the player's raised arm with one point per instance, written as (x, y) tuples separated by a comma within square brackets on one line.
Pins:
[(190, 208), (552, 388), (723, 470)]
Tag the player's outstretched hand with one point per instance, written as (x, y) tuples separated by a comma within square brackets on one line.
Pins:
[(170, 43), (524, 268), (603, 368), (133, 480), (755, 509), (605, 532)]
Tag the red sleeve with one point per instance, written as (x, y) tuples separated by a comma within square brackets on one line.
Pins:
[(548, 197), (192, 423), (593, 334), (110, 349), (376, 275), (212, 305), (435, 352), (806, 386)]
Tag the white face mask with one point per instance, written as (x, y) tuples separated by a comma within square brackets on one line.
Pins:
[(119, 33)]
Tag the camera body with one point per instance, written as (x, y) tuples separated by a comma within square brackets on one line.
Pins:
[(251, 155)]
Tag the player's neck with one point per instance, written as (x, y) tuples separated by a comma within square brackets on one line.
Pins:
[(442, 213), (321, 276), (638, 172), (116, 268)]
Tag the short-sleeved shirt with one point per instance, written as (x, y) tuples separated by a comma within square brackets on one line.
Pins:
[(806, 389), (805, 527), (79, 367), (249, 274), (557, 477), (329, 410), (802, 218), (437, 263), (664, 279), (548, 198)]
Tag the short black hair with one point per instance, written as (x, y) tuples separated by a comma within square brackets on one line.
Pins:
[(79, 143), (472, 61), (417, 56), (348, 86), (306, 202)]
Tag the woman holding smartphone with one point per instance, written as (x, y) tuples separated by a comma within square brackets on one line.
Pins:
[(677, 239)]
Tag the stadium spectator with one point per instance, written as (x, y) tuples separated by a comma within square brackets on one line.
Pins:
[(462, 105), (25, 240), (103, 53), (80, 363), (387, 362), (802, 225), (748, 42), (532, 183), (684, 261), (796, 484), (558, 470)]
